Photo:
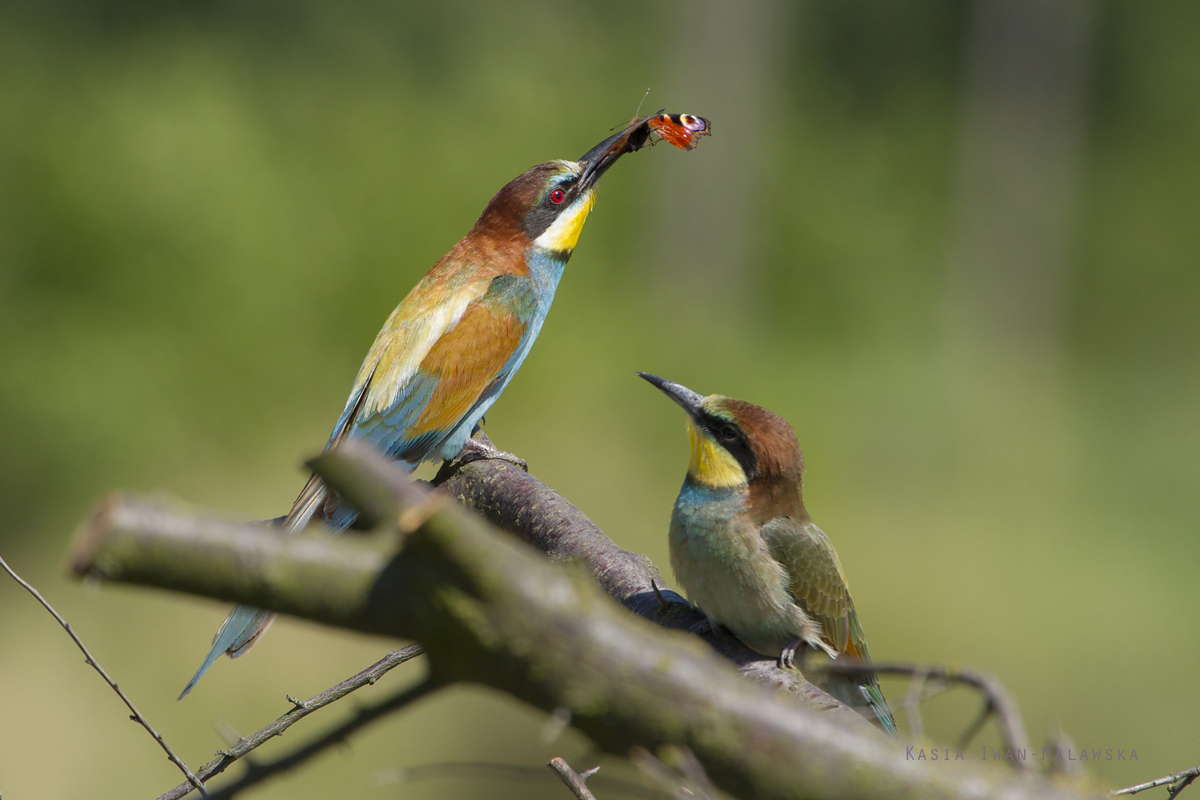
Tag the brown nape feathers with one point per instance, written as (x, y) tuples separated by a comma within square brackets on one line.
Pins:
[(506, 211), (775, 488)]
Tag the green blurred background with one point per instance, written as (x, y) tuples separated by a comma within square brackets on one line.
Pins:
[(954, 243)]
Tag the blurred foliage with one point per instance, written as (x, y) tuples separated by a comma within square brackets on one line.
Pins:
[(207, 210)]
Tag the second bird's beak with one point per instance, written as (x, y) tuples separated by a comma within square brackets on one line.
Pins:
[(688, 400), (596, 161)]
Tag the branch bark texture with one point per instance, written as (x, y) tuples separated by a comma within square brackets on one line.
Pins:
[(517, 502), (490, 610)]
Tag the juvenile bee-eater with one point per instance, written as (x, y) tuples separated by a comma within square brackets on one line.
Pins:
[(747, 553), (453, 344)]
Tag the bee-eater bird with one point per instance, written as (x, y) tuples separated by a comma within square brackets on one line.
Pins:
[(453, 344), (747, 553)]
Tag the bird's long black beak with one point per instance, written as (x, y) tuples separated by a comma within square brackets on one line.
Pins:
[(597, 160), (688, 400)]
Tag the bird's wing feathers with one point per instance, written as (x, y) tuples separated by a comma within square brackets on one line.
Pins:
[(817, 582), (819, 586), (439, 354), (432, 369)]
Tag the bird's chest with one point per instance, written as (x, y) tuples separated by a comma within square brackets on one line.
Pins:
[(702, 527), (723, 564)]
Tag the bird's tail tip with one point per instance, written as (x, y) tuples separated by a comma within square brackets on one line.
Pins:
[(237, 634), (208, 662), (880, 708)]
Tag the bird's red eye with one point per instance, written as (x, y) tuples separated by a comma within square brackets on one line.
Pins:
[(557, 196)]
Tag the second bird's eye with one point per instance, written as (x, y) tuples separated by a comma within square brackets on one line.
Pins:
[(729, 433), (557, 196)]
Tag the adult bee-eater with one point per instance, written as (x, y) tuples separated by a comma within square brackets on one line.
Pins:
[(747, 553), (453, 344)]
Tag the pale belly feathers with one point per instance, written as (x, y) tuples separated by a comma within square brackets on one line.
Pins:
[(726, 569)]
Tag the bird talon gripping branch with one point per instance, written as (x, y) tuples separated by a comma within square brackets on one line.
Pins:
[(480, 448)]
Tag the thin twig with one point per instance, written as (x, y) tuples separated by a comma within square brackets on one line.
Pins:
[(1186, 782), (912, 703), (1183, 778), (678, 785), (985, 713), (299, 711), (996, 698), (575, 782), (493, 772), (257, 773), (686, 762), (134, 715)]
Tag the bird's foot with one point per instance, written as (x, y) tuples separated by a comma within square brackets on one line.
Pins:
[(479, 448), (793, 654)]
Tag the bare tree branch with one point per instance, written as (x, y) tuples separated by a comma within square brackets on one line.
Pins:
[(300, 710), (576, 782), (1175, 790), (134, 714), (1184, 779), (912, 703), (257, 773), (517, 502), (997, 699), (518, 772), (688, 783), (489, 610)]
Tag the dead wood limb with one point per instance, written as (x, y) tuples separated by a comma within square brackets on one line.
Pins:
[(490, 610), (1178, 781), (500, 772), (687, 781), (300, 710), (996, 697), (257, 773), (517, 502), (193, 782), (575, 781)]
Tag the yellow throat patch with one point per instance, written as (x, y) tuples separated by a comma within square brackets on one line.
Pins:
[(712, 464), (564, 233)]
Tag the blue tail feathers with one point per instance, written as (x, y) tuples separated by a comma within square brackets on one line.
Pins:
[(245, 624), (240, 628), (880, 707), (856, 692)]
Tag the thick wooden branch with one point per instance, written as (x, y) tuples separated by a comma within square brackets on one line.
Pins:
[(490, 610), (519, 503)]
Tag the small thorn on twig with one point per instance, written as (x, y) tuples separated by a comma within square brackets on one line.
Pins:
[(662, 601), (298, 705)]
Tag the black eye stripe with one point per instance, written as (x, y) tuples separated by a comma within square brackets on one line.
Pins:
[(544, 211), (738, 447)]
